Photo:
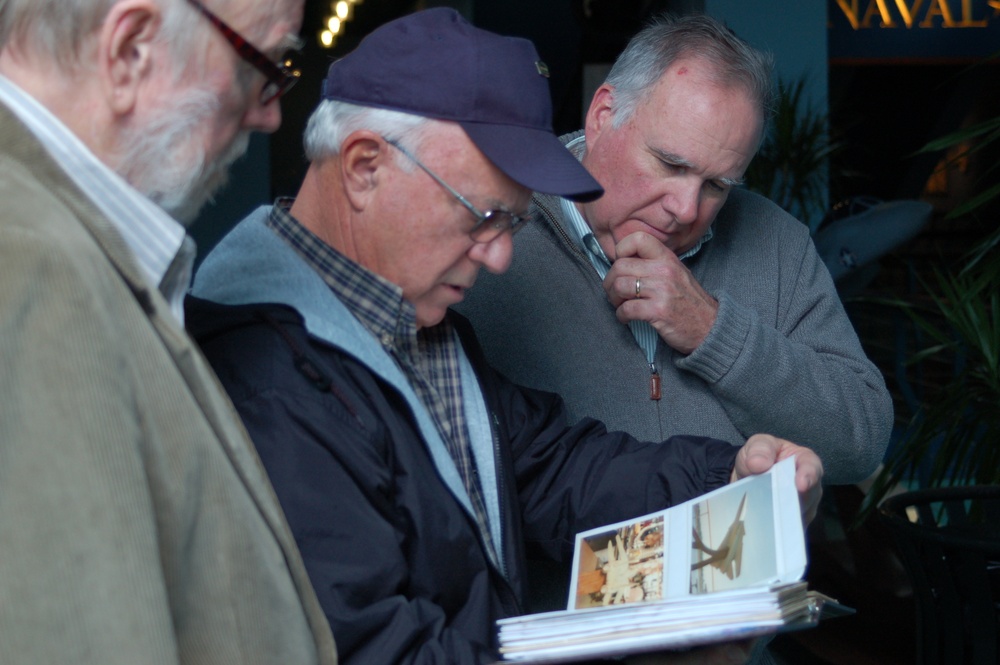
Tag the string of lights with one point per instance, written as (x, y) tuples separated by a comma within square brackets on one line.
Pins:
[(341, 11)]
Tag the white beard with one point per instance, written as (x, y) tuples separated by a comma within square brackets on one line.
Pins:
[(161, 161)]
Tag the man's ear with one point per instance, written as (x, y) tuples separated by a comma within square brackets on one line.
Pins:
[(125, 51), (363, 156), (599, 115)]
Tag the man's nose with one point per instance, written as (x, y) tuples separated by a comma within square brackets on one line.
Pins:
[(263, 117), (496, 254), (683, 199)]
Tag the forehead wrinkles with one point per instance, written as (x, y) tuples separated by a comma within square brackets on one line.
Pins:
[(681, 161), (700, 130)]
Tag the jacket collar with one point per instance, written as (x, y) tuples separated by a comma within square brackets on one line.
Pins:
[(253, 265)]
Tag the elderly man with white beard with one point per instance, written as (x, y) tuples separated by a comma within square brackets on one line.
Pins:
[(136, 523)]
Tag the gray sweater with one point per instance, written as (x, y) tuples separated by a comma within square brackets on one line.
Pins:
[(782, 357)]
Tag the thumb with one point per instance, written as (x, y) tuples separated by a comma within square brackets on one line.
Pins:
[(757, 455)]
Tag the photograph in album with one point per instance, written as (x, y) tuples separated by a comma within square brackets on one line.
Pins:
[(732, 543), (735, 537)]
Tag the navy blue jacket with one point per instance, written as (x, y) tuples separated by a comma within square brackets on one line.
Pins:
[(395, 557)]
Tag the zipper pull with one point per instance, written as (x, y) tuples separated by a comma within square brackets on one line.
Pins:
[(654, 382)]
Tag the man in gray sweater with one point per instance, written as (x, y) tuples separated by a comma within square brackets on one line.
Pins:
[(678, 302)]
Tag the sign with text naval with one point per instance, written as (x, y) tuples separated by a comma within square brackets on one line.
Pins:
[(913, 30)]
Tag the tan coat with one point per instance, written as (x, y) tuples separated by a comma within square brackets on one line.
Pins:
[(136, 522)]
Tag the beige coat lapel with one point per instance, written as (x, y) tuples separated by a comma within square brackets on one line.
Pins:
[(190, 363)]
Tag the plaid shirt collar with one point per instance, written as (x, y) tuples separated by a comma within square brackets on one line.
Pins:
[(375, 301), (429, 356)]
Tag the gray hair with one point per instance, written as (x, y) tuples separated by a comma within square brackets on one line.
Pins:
[(61, 29), (333, 121), (668, 39)]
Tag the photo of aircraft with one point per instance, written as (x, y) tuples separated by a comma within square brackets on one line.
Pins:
[(728, 556)]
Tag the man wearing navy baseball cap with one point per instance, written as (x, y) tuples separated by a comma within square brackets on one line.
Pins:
[(413, 475)]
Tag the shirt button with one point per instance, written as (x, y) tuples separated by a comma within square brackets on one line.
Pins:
[(387, 340)]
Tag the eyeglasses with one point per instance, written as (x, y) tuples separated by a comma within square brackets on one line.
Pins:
[(489, 224), (280, 77)]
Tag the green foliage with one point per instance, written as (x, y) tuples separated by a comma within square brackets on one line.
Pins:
[(791, 166), (954, 438)]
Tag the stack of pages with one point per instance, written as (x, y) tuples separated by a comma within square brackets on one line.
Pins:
[(725, 566)]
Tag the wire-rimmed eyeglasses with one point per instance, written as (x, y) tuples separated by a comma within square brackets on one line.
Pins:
[(280, 77), (489, 224)]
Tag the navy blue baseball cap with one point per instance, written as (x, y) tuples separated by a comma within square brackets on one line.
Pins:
[(435, 64)]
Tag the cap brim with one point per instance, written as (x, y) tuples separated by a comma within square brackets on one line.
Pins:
[(534, 158)]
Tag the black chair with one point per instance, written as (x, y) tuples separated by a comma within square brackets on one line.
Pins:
[(949, 539)]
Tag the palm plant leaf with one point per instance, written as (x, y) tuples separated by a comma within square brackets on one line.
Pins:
[(791, 166), (955, 437)]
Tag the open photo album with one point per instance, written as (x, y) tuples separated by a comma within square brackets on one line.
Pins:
[(724, 566)]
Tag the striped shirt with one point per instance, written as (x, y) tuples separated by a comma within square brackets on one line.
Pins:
[(428, 356), (157, 241)]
